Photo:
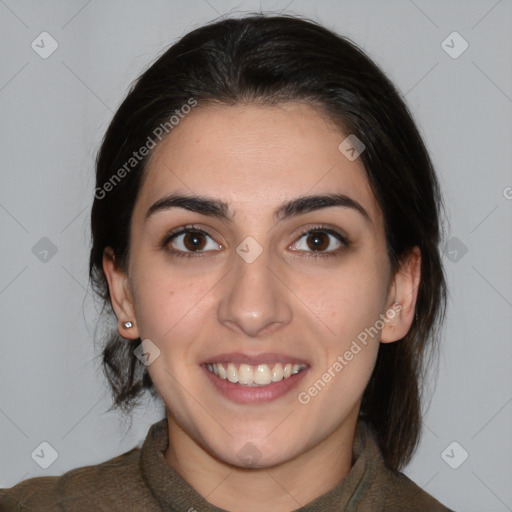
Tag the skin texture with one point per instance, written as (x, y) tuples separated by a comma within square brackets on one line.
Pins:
[(290, 300)]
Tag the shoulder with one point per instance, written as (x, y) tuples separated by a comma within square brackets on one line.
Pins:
[(384, 488), (99, 485), (404, 494)]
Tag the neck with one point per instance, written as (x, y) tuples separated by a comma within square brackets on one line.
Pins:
[(281, 488)]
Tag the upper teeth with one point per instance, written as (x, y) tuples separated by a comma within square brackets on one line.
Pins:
[(258, 375)]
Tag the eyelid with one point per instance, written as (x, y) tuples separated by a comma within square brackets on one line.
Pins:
[(173, 234), (335, 232), (342, 237), (185, 229)]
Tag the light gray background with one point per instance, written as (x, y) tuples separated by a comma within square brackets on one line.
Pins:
[(54, 113)]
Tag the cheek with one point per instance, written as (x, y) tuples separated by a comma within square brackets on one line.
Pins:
[(347, 300), (161, 294), (160, 301), (348, 303), (346, 354)]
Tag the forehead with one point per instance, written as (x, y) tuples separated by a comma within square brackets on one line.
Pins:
[(249, 154)]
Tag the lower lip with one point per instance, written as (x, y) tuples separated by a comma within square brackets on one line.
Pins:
[(246, 394)]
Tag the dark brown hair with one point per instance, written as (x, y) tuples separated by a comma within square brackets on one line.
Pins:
[(271, 59)]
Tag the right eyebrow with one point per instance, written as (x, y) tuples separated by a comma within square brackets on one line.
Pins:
[(197, 204)]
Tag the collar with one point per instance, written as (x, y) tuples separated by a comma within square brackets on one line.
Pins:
[(174, 494)]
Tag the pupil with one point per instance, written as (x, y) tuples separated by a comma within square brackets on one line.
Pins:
[(194, 241)]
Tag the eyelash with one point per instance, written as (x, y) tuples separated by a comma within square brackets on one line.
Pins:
[(309, 254), (325, 229), (180, 231)]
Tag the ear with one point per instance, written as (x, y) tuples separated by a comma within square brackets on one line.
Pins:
[(120, 295), (402, 298)]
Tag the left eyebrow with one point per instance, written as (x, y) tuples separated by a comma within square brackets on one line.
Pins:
[(308, 204), (292, 208)]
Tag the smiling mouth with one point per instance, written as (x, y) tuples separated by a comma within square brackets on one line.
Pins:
[(254, 375)]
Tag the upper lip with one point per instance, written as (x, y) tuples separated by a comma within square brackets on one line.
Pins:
[(254, 359)]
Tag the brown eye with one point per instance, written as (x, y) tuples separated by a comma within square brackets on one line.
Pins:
[(323, 242), (318, 241), (194, 241), (191, 240)]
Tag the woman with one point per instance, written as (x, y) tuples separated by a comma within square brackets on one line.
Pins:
[(265, 229)]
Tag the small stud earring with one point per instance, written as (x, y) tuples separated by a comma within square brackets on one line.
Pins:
[(127, 325)]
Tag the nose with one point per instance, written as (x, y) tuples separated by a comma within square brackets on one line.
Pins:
[(254, 301)]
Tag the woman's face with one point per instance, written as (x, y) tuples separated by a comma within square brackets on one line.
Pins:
[(258, 250)]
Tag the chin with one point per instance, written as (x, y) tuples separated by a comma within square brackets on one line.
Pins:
[(254, 454)]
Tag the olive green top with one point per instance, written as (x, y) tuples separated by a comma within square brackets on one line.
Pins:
[(140, 479)]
